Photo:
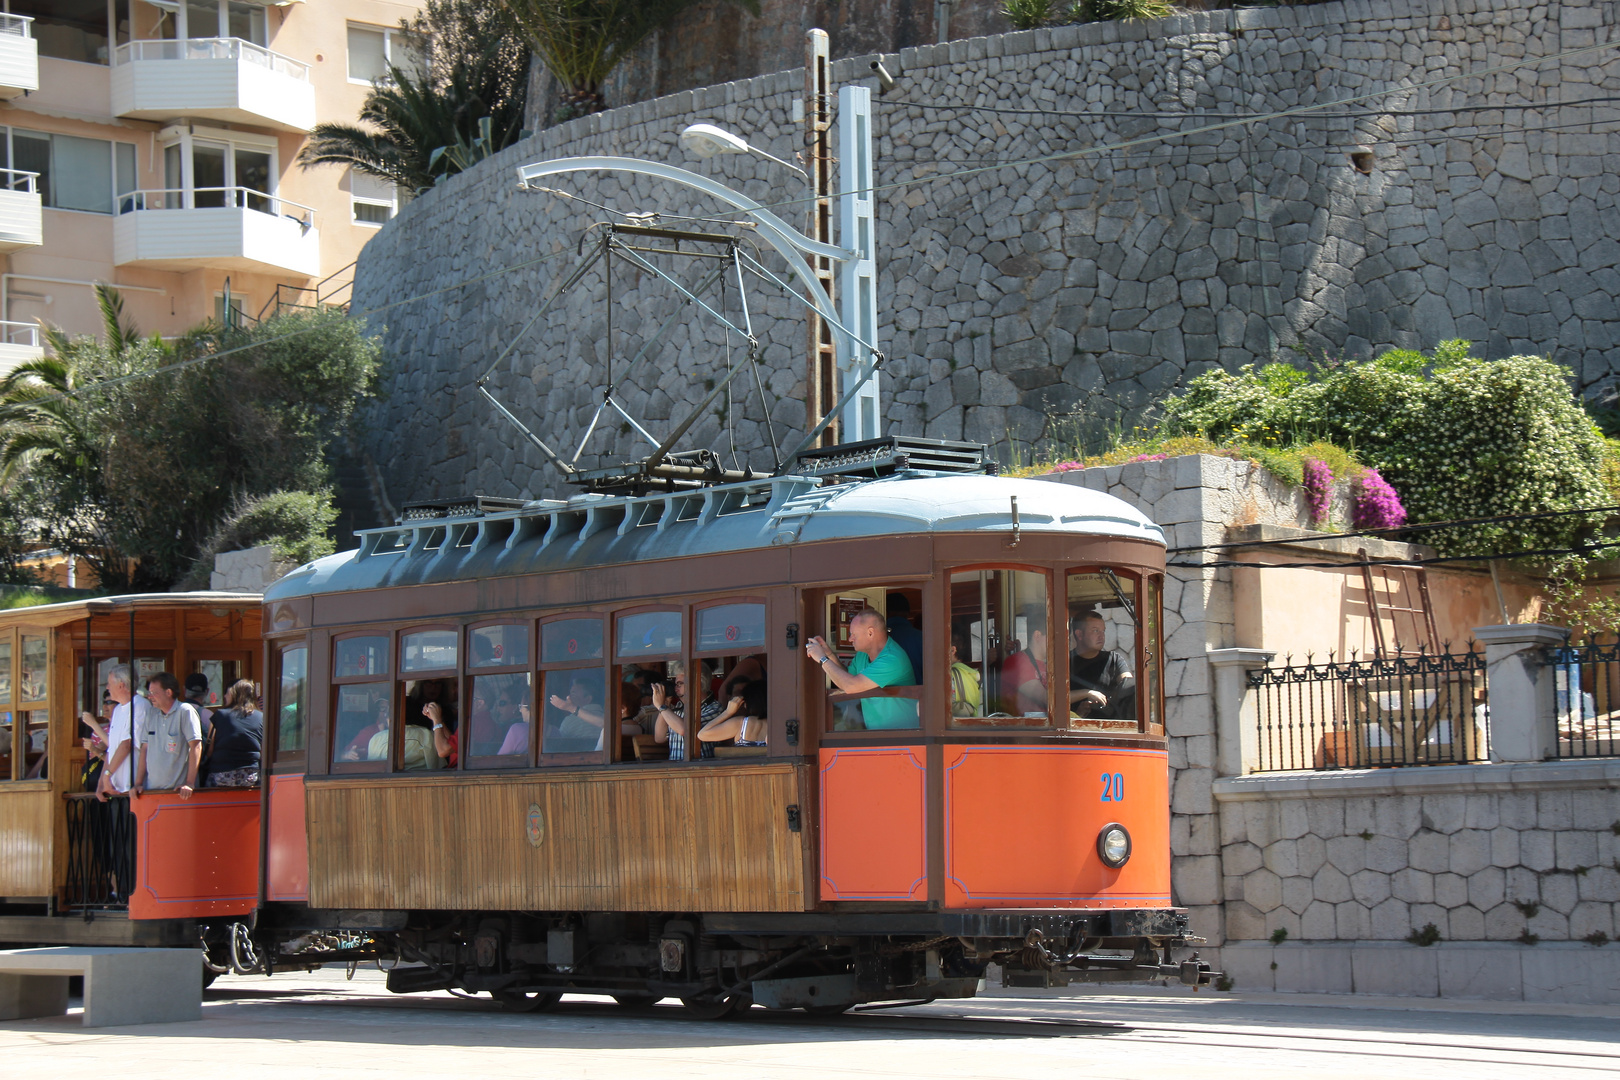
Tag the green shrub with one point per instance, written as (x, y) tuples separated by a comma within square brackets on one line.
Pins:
[(1029, 14), (1458, 437), (294, 523)]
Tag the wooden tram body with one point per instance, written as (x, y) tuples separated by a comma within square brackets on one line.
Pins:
[(831, 866)]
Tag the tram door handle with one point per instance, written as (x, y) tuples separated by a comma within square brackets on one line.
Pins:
[(793, 635)]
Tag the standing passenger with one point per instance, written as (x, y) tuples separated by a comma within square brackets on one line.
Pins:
[(878, 662), (238, 737), (128, 718), (197, 698), (170, 741), (904, 632)]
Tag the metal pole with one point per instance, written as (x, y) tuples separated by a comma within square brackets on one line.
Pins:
[(820, 385), (857, 230)]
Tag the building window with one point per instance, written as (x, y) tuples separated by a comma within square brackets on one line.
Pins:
[(374, 201), (229, 313), (74, 173), (373, 50), (75, 29), (217, 168), (215, 19)]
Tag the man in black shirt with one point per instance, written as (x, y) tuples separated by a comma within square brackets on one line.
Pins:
[(1101, 683)]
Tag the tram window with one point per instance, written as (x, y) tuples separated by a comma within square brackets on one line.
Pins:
[(5, 672), (428, 650), (291, 734), (731, 626), (1000, 649), (499, 724), (504, 645), (419, 745), (1150, 677), (570, 640), (6, 744), (34, 676), (37, 725), (575, 711), (362, 720), (648, 633), (360, 656), (1102, 608)]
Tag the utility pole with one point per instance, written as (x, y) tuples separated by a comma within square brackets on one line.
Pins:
[(820, 384), (857, 230)]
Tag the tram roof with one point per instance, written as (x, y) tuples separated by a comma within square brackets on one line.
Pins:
[(594, 530), (67, 611)]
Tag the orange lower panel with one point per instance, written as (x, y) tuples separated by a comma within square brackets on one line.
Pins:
[(196, 858), (874, 824), (287, 862), (1021, 826)]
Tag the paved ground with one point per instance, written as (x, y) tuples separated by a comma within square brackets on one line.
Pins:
[(322, 1026)]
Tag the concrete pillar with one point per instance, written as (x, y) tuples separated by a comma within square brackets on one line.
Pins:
[(1237, 732), (1523, 713)]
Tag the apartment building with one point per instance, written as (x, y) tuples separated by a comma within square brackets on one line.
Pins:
[(152, 145)]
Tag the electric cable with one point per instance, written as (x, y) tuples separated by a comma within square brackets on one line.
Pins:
[(1421, 527)]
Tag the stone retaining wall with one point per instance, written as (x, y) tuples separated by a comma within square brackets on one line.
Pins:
[(1028, 303)]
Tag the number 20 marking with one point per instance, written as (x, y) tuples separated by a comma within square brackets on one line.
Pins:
[(1113, 787)]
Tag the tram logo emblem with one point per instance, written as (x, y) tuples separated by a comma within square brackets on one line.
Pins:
[(534, 825)]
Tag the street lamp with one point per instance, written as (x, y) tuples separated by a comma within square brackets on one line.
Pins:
[(708, 140)]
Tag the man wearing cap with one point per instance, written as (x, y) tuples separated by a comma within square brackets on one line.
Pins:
[(197, 698)]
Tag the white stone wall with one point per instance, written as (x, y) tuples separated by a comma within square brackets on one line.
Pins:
[(1027, 304), (249, 570)]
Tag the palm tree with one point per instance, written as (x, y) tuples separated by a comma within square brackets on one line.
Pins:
[(582, 41), (471, 65)]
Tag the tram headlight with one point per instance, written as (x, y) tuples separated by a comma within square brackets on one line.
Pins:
[(1114, 845)]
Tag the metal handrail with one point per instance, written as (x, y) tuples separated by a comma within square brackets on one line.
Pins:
[(14, 177), (14, 333), (235, 197), (210, 49), (20, 25)]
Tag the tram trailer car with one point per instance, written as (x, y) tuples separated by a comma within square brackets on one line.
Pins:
[(880, 846)]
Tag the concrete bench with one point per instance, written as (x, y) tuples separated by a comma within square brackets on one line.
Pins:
[(121, 986)]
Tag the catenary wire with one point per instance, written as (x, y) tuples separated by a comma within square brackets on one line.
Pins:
[(1377, 533), (1085, 114)]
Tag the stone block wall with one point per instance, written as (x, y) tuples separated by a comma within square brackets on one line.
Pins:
[(1056, 296)]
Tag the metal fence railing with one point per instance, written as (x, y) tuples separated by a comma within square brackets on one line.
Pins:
[(17, 25), (213, 198), (1428, 709), (211, 49), (101, 852), (1586, 681)]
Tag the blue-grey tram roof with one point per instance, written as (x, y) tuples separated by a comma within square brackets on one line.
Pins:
[(595, 530)]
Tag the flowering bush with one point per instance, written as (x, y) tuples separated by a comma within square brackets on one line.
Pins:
[(1376, 506), (1457, 436), (1318, 489)]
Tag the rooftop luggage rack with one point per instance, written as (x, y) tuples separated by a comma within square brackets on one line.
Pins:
[(896, 453)]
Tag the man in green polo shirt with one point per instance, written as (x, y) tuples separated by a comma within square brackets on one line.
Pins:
[(878, 662)]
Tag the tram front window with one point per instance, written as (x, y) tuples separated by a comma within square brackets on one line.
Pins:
[(1103, 614), (1000, 649), (873, 679)]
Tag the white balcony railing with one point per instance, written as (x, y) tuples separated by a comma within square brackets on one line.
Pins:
[(211, 49), (19, 25), (203, 198), (19, 180), (25, 334)]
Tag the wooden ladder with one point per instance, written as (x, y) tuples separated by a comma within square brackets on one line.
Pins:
[(1410, 581)]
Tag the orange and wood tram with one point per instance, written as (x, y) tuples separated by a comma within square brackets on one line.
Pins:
[(468, 772)]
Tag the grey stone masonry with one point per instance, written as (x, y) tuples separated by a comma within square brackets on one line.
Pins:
[(1039, 279)]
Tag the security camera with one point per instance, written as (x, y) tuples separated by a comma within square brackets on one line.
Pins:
[(885, 80)]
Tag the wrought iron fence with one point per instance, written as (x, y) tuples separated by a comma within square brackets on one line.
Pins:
[(1586, 681), (101, 852), (1428, 709)]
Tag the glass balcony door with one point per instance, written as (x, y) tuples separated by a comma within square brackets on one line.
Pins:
[(200, 19), (199, 173)]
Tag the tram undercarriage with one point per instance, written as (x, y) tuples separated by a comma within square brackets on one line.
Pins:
[(714, 963)]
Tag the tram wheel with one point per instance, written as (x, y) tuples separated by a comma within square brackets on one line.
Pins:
[(526, 1002), (828, 1010), (708, 1008), (635, 1001)]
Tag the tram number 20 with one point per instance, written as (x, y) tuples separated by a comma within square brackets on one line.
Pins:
[(1113, 787)]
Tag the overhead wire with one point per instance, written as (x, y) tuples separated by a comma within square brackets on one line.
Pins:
[(1083, 114)]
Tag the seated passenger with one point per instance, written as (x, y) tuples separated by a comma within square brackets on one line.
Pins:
[(513, 709), (445, 742), (1101, 683), (671, 725), (359, 748), (878, 662), (419, 751), (743, 718), (904, 632), (748, 669), (236, 738), (1024, 675), (967, 696), (579, 728), (630, 709)]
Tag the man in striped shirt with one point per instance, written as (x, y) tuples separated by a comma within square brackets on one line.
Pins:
[(671, 725)]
